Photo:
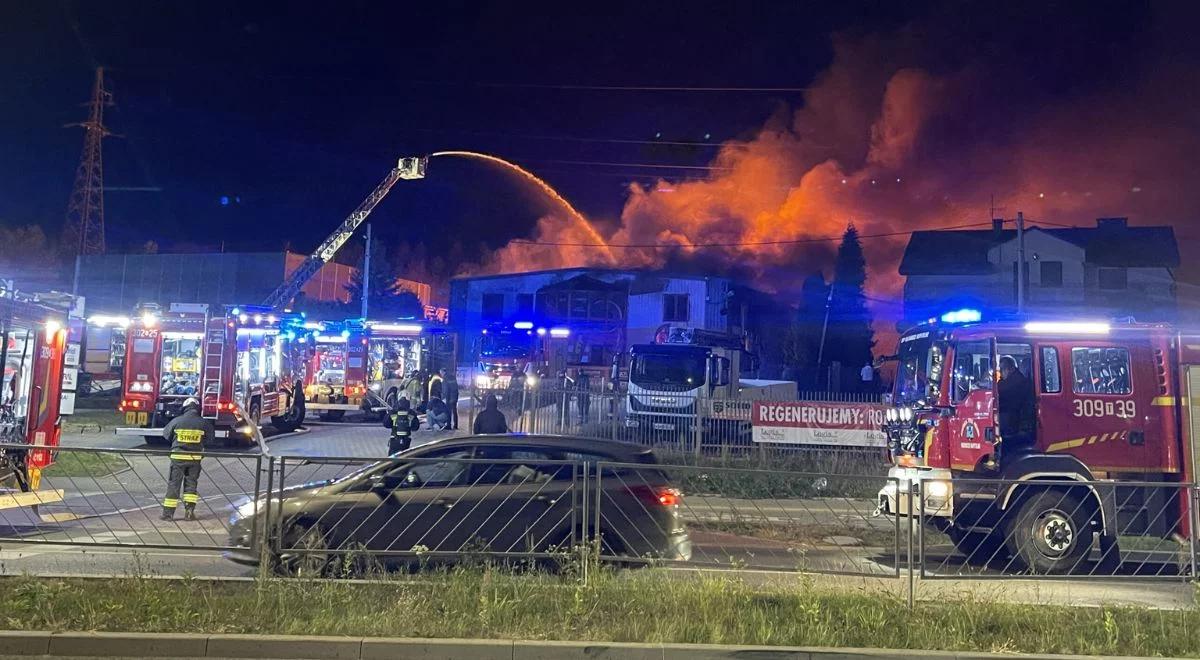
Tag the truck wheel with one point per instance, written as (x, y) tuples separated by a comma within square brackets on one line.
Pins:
[(331, 415), (1051, 532), (978, 547)]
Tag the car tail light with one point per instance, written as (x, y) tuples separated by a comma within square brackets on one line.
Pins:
[(657, 494)]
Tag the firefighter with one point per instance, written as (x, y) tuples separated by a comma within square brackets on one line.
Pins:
[(404, 422), (1016, 408), (189, 434), (435, 385), (450, 390)]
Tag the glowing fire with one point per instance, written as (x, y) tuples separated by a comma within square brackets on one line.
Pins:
[(893, 148)]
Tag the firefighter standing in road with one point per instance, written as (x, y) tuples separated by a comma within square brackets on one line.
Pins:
[(435, 386), (404, 422), (450, 390), (189, 434)]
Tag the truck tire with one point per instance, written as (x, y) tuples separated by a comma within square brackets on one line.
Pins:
[(331, 415), (1051, 532), (155, 440), (978, 547)]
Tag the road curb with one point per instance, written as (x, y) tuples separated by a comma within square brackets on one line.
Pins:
[(25, 644)]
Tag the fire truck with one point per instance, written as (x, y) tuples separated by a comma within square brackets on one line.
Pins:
[(241, 363), (357, 365), (694, 373), (510, 356), (1112, 422), (39, 347)]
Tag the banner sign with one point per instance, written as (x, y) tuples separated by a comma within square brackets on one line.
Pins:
[(818, 423)]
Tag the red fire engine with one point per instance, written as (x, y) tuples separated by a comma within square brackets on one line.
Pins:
[(1111, 416), (241, 364), (512, 356), (39, 348), (362, 366)]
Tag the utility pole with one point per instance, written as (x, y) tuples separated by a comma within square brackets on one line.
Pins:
[(1020, 262), (824, 328), (85, 208), (366, 273)]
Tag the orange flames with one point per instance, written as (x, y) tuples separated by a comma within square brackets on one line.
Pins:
[(893, 148)]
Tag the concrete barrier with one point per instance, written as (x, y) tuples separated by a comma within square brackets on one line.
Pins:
[(436, 649), (25, 644)]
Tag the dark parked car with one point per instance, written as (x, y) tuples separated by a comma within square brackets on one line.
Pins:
[(481, 494)]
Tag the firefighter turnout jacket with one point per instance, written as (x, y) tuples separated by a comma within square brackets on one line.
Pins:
[(189, 434)]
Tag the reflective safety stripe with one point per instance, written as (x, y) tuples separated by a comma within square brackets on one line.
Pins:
[(191, 498), (186, 457), (170, 502), (189, 436)]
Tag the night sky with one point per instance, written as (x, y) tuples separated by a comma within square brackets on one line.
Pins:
[(298, 109)]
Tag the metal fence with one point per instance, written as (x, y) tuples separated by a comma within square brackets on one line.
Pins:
[(685, 426), (335, 516)]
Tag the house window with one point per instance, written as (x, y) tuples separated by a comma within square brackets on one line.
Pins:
[(1051, 273), (1113, 278), (675, 308), (493, 306), (525, 305)]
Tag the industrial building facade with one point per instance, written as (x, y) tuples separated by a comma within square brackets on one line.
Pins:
[(605, 310)]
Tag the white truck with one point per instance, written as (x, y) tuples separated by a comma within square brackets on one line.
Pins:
[(692, 382)]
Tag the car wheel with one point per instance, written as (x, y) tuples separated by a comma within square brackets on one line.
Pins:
[(1051, 532), (306, 552)]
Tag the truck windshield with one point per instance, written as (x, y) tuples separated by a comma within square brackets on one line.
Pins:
[(504, 345), (667, 371), (912, 374)]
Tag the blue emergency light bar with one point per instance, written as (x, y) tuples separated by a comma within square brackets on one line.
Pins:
[(962, 316)]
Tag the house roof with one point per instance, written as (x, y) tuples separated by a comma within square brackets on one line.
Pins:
[(965, 252)]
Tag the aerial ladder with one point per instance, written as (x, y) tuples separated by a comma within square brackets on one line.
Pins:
[(406, 168)]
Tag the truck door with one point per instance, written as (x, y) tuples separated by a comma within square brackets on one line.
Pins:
[(1100, 417), (972, 393)]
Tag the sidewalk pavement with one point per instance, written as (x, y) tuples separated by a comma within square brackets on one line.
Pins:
[(22, 644)]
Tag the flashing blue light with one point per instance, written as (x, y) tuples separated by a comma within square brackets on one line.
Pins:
[(962, 316), (345, 334), (523, 325), (224, 200), (237, 311)]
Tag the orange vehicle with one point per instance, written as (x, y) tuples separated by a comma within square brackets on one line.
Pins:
[(241, 364), (39, 347), (1109, 432)]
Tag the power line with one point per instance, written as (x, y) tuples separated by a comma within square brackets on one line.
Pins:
[(660, 166), (575, 138), (795, 241), (624, 88)]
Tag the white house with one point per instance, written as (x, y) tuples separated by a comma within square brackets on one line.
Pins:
[(1108, 270)]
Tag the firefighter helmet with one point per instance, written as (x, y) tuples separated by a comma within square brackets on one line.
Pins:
[(191, 402)]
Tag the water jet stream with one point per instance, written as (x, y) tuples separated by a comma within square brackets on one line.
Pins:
[(545, 188)]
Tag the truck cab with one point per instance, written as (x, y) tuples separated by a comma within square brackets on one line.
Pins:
[(1037, 481), (673, 381)]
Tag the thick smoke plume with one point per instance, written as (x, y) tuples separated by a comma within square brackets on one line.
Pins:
[(887, 142)]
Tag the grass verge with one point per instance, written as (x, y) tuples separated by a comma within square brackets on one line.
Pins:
[(93, 419), (85, 464), (642, 606)]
